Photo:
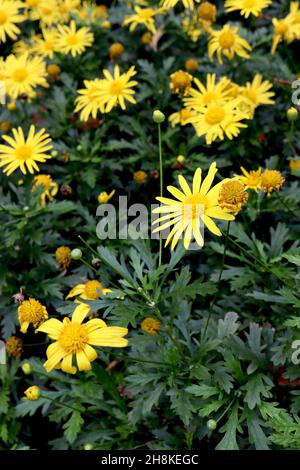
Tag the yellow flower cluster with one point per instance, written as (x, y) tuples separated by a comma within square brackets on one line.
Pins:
[(106, 93), (268, 181), (287, 29), (216, 109)]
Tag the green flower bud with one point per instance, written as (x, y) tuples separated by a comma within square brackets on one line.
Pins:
[(211, 424), (88, 446), (158, 116), (292, 114), (76, 253)]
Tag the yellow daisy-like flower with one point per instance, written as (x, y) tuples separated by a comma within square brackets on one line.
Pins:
[(89, 101), (191, 65), (150, 325), (32, 393), (31, 312), (294, 165), (116, 50), (207, 12), (14, 346), (73, 41), (233, 196), (88, 291), (271, 180), (251, 179), (46, 45), (24, 153), (191, 208), (217, 121), (50, 188), (23, 74), (140, 177), (21, 47), (9, 18), (65, 8), (181, 117), (247, 7), (186, 3), (117, 88), (228, 43), (75, 339), (46, 11), (104, 197), (63, 257), (258, 92), (181, 82), (212, 93), (142, 16), (286, 29)]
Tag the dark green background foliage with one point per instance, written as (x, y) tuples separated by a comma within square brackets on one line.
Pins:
[(236, 368)]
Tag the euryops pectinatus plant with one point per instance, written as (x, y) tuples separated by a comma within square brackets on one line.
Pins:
[(150, 219)]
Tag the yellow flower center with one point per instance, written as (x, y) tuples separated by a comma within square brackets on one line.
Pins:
[(194, 206), (46, 11), (254, 179), (209, 97), (14, 346), (116, 88), (32, 311), (91, 288), (180, 80), (146, 13), (232, 196), (73, 338), (63, 256), (214, 115), (207, 11), (271, 180), (150, 325), (226, 39), (49, 45), (24, 152), (3, 17), (42, 180), (20, 75), (281, 28), (72, 40)]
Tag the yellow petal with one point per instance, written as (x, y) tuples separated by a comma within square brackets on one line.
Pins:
[(52, 327), (66, 365), (77, 290), (80, 313), (82, 361)]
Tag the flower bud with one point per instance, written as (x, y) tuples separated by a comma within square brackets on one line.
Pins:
[(211, 424), (158, 116), (76, 254), (180, 159), (88, 446), (292, 114), (26, 368)]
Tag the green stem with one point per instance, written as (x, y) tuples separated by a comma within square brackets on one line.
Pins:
[(225, 411), (219, 280), (89, 266), (161, 187), (88, 245)]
